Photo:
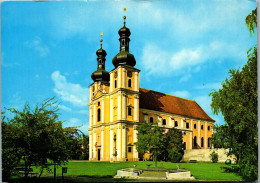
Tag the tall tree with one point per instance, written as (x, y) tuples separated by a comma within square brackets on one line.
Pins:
[(237, 101), (174, 145), (38, 135)]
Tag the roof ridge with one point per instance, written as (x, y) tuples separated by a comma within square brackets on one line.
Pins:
[(169, 94)]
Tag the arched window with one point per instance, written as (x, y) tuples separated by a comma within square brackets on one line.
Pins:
[(202, 142), (115, 83), (151, 119), (208, 128), (176, 123), (98, 115), (164, 122), (123, 42), (187, 125), (129, 83), (195, 126), (129, 111), (209, 142), (184, 145), (195, 141), (202, 127)]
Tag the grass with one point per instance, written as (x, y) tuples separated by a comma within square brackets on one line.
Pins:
[(200, 170)]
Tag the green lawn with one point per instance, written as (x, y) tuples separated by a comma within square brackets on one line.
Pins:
[(200, 170)]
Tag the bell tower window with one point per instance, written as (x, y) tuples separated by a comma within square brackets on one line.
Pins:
[(129, 83), (123, 42), (129, 111), (98, 115), (115, 83)]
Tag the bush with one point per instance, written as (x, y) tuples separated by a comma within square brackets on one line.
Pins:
[(214, 157)]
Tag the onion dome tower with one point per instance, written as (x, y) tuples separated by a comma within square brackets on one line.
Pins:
[(101, 74), (124, 57)]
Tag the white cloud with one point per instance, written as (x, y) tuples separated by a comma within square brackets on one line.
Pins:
[(65, 108), (183, 94), (156, 61), (185, 77), (73, 93), (38, 46)]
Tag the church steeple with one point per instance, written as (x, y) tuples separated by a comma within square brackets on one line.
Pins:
[(100, 74), (124, 57)]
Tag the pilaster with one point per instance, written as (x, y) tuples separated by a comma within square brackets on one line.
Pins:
[(102, 111), (90, 117), (111, 82), (111, 142), (119, 148), (135, 140), (136, 81), (199, 140), (102, 143), (94, 144), (136, 108), (90, 146), (206, 136), (124, 106), (124, 78), (111, 108), (124, 142), (94, 114), (119, 106)]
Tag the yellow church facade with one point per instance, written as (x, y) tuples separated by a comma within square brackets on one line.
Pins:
[(117, 106)]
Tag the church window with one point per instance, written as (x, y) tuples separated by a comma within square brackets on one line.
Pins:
[(115, 83), (208, 128), (129, 111), (129, 149), (123, 42), (98, 115), (129, 83), (151, 119), (202, 127), (184, 133), (209, 142), (116, 74), (129, 74), (195, 126), (184, 145), (195, 141), (98, 103), (176, 123), (164, 122), (202, 142), (187, 125)]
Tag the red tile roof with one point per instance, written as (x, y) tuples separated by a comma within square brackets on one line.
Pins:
[(157, 101)]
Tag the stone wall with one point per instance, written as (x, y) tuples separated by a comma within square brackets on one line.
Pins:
[(204, 155)]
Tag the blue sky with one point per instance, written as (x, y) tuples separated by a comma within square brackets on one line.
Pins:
[(184, 48)]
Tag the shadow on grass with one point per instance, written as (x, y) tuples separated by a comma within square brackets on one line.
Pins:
[(67, 179)]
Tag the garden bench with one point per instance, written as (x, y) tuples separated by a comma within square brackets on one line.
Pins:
[(22, 171)]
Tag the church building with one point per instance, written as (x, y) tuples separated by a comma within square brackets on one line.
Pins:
[(118, 105)]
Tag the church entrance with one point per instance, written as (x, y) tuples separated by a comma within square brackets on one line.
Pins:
[(99, 154)]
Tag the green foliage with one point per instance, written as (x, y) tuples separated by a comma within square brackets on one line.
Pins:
[(214, 157), (237, 101), (163, 146), (174, 145), (36, 136), (219, 138), (251, 21)]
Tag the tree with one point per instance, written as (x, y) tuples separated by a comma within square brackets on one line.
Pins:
[(37, 135), (219, 138), (149, 139), (237, 101), (174, 145)]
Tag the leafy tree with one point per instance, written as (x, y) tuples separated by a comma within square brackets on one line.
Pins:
[(237, 101), (174, 145), (220, 139), (150, 139), (38, 136)]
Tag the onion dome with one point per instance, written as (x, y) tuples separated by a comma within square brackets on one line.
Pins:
[(124, 57), (101, 74)]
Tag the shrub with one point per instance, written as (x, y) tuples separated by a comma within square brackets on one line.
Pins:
[(214, 157)]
